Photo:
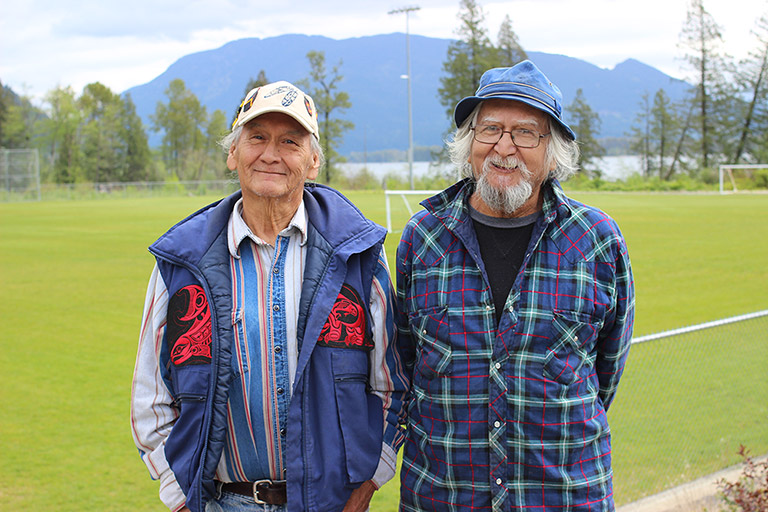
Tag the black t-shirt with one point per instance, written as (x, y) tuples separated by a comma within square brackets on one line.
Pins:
[(503, 242)]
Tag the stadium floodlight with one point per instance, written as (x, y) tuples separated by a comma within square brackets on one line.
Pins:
[(408, 10)]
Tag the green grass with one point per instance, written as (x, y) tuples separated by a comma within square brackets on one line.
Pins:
[(73, 277)]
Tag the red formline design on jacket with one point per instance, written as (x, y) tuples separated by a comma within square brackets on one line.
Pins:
[(346, 324), (189, 327)]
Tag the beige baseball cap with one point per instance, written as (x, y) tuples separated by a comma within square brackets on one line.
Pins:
[(281, 97)]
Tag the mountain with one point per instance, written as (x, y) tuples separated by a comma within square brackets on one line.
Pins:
[(372, 67)]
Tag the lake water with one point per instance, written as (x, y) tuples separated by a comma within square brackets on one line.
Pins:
[(613, 167)]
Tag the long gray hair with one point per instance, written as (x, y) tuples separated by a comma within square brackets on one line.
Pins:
[(561, 151)]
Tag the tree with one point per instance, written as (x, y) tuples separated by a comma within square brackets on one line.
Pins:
[(510, 52), (467, 58), (753, 80), (211, 159), (181, 120), (641, 134), (586, 123), (136, 161), (61, 134), (703, 38), (101, 134), (329, 102), (259, 81), (17, 120)]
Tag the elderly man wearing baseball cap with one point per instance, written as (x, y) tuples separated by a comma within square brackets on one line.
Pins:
[(266, 377), (515, 316)]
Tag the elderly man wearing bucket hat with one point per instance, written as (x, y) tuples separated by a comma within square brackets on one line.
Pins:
[(515, 317), (267, 377)]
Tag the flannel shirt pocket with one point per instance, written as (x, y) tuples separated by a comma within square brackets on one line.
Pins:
[(572, 337), (429, 328)]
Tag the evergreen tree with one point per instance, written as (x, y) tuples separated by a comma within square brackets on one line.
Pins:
[(641, 134), (136, 160), (702, 37), (752, 79), (510, 52), (585, 122), (330, 102), (665, 130), (259, 81), (467, 58)]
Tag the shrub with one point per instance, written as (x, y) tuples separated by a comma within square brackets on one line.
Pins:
[(750, 492)]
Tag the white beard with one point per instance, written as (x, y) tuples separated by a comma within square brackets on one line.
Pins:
[(506, 200)]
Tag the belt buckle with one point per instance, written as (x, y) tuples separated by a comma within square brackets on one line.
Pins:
[(256, 491)]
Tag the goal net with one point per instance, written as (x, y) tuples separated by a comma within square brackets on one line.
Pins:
[(401, 205), (736, 177), (19, 175)]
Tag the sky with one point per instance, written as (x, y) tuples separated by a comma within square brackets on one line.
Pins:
[(45, 43)]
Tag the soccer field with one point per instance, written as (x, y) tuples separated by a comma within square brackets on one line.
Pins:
[(73, 278)]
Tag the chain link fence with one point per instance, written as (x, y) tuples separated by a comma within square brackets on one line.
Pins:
[(689, 398), (80, 191)]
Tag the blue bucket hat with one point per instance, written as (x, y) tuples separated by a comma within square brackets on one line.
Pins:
[(523, 82)]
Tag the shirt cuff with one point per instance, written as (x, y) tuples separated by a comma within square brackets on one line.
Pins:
[(170, 492), (387, 465)]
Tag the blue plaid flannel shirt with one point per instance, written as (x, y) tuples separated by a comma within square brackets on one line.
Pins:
[(512, 416)]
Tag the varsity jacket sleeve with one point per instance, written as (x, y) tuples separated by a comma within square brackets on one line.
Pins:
[(616, 335), (387, 379), (152, 416)]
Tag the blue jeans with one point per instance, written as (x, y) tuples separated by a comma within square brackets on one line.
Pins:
[(231, 502)]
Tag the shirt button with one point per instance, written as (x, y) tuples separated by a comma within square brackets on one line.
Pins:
[(511, 309), (275, 270), (424, 332), (280, 391), (498, 481), (276, 307), (487, 308), (498, 366), (497, 424), (278, 349), (282, 432)]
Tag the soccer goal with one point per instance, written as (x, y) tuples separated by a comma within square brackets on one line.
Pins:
[(727, 170), (19, 175), (410, 201)]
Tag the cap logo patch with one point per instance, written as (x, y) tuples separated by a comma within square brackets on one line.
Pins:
[(289, 97), (249, 102), (309, 107)]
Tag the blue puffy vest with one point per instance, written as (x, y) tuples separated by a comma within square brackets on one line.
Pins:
[(335, 426)]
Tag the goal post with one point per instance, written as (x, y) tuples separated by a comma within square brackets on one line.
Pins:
[(727, 169), (403, 195), (19, 174)]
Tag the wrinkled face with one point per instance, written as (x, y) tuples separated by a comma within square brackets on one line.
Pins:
[(273, 157), (503, 169)]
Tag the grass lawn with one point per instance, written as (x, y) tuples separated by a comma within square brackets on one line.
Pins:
[(73, 277)]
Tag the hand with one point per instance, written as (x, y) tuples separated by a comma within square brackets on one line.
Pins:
[(360, 498)]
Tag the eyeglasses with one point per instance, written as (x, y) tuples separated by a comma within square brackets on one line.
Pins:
[(521, 137)]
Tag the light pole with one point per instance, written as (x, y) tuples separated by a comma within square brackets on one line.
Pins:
[(407, 11)]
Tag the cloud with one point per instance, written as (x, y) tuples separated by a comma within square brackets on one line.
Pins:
[(122, 44)]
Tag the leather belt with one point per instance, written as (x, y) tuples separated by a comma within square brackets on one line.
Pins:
[(264, 492)]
